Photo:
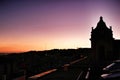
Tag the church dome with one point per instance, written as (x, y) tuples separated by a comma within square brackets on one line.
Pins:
[(101, 31), (101, 24)]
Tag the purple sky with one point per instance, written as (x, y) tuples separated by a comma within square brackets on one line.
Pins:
[(47, 24)]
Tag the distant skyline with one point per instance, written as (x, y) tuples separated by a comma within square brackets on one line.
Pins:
[(53, 24)]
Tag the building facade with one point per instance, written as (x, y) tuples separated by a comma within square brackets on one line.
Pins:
[(104, 47)]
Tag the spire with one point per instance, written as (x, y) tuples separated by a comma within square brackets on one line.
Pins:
[(101, 24)]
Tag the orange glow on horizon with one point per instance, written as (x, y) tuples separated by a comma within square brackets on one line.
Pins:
[(55, 43)]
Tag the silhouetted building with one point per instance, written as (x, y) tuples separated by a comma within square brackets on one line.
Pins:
[(104, 47)]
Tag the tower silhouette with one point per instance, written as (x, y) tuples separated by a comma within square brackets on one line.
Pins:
[(102, 43)]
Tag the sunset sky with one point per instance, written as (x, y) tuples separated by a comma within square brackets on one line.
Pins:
[(47, 24)]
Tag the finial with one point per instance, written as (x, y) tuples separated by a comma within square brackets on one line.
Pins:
[(111, 27), (101, 18)]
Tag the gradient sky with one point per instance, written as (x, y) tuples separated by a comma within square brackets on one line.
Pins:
[(47, 24)]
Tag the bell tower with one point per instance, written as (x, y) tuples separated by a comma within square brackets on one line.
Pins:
[(101, 43)]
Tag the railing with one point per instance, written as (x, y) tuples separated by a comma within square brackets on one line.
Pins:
[(65, 68)]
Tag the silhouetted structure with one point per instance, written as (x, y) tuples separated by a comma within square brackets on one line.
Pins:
[(104, 47)]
